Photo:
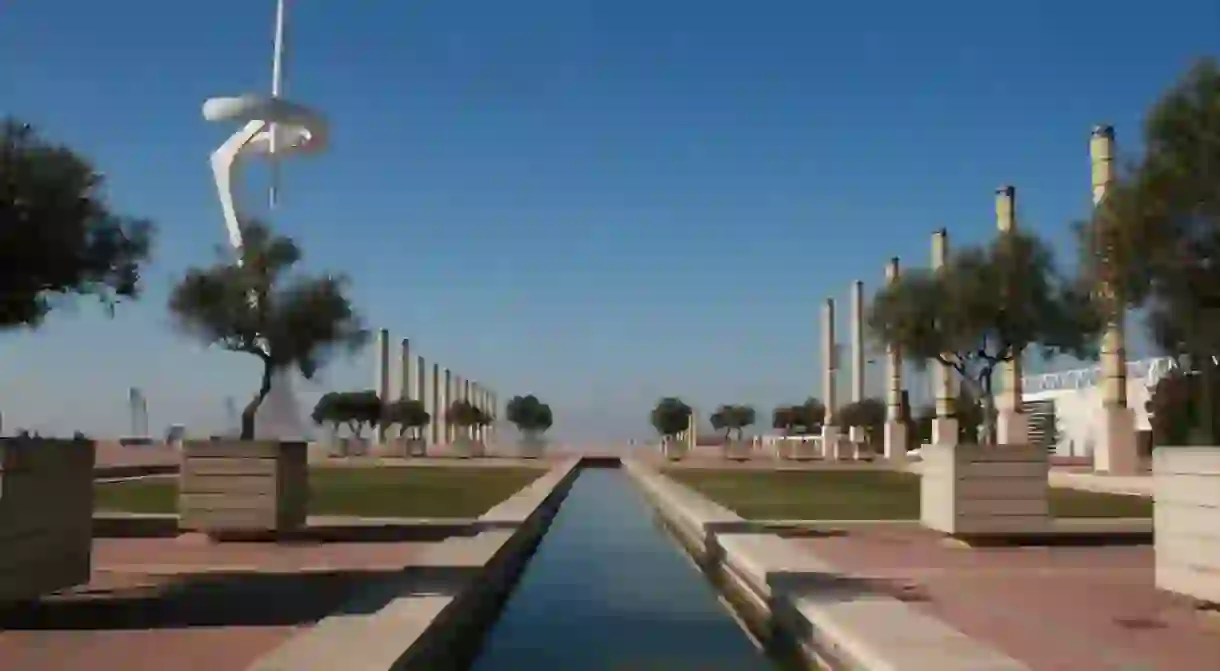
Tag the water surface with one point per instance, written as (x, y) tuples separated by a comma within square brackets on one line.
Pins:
[(608, 590)]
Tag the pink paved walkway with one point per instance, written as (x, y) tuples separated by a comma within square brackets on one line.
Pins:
[(188, 605), (1056, 609)]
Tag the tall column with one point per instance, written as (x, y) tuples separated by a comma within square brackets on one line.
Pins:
[(1012, 426), (438, 407), (1115, 449), (830, 366), (421, 389), (446, 401), (895, 428), (475, 400), (857, 353), (382, 378), (944, 427), (464, 388)]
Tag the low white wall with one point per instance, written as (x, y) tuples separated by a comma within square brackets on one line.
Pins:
[(1186, 486)]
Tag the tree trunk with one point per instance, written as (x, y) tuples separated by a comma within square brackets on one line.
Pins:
[(247, 415), (989, 409)]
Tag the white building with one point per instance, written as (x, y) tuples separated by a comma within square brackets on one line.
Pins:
[(1071, 400)]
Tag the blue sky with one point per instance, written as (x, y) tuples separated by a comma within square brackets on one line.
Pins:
[(599, 201)]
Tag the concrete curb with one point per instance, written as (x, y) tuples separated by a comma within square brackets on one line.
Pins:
[(836, 618), (414, 617)]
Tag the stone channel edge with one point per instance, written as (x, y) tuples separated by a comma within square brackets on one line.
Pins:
[(449, 591), (835, 621)]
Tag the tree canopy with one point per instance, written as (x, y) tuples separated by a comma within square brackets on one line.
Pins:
[(1154, 241), (59, 236), (986, 306), (868, 413), (255, 306), (804, 418), (356, 409), (670, 416), (464, 413), (733, 418), (408, 413), (529, 414)]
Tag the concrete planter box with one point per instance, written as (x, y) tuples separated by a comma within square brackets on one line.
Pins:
[(737, 449), (233, 486), (674, 449), (973, 490), (46, 516), (466, 447), (1186, 518), (402, 447), (531, 447)]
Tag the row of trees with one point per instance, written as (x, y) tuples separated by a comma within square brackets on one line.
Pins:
[(358, 410)]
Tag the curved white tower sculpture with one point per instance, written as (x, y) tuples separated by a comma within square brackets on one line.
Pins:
[(274, 128)]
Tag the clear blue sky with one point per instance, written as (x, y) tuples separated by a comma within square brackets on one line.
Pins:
[(600, 201)]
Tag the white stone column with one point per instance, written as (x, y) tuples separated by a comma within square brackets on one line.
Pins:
[(406, 381), (944, 427), (446, 401), (438, 407), (830, 366), (382, 378), (1115, 450), (857, 356), (465, 392), (895, 428), (476, 397), (1012, 425), (421, 389)]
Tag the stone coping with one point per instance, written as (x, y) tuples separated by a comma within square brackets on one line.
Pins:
[(838, 620), (409, 617)]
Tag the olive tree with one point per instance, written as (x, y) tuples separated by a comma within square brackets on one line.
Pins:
[(59, 236), (733, 418), (670, 416), (1154, 242), (867, 414), (531, 416), (987, 305), (253, 305)]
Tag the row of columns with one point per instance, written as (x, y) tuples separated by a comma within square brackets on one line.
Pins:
[(446, 388), (1116, 450)]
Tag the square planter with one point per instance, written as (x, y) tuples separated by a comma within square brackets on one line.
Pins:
[(973, 490), (234, 486), (739, 450), (531, 447), (466, 447), (46, 516), (401, 447), (1186, 519)]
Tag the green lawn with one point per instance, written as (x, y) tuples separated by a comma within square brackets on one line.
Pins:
[(863, 495), (432, 491)]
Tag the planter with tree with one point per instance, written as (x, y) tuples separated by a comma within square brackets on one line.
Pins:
[(670, 417), (253, 306), (1154, 245), (360, 410), (58, 239), (733, 420), (465, 416), (412, 418), (973, 315), (532, 418), (801, 425)]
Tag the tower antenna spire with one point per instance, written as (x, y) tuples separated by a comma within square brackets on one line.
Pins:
[(277, 85)]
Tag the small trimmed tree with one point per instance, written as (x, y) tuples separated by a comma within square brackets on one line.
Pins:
[(59, 236), (463, 414), (329, 410), (986, 306), (867, 414), (254, 306), (410, 415), (670, 417), (531, 416)]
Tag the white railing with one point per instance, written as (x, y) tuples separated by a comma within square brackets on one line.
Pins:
[(1150, 370)]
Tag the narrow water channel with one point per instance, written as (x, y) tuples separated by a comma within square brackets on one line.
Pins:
[(607, 590)]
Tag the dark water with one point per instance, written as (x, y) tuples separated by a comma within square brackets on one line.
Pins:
[(608, 591)]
